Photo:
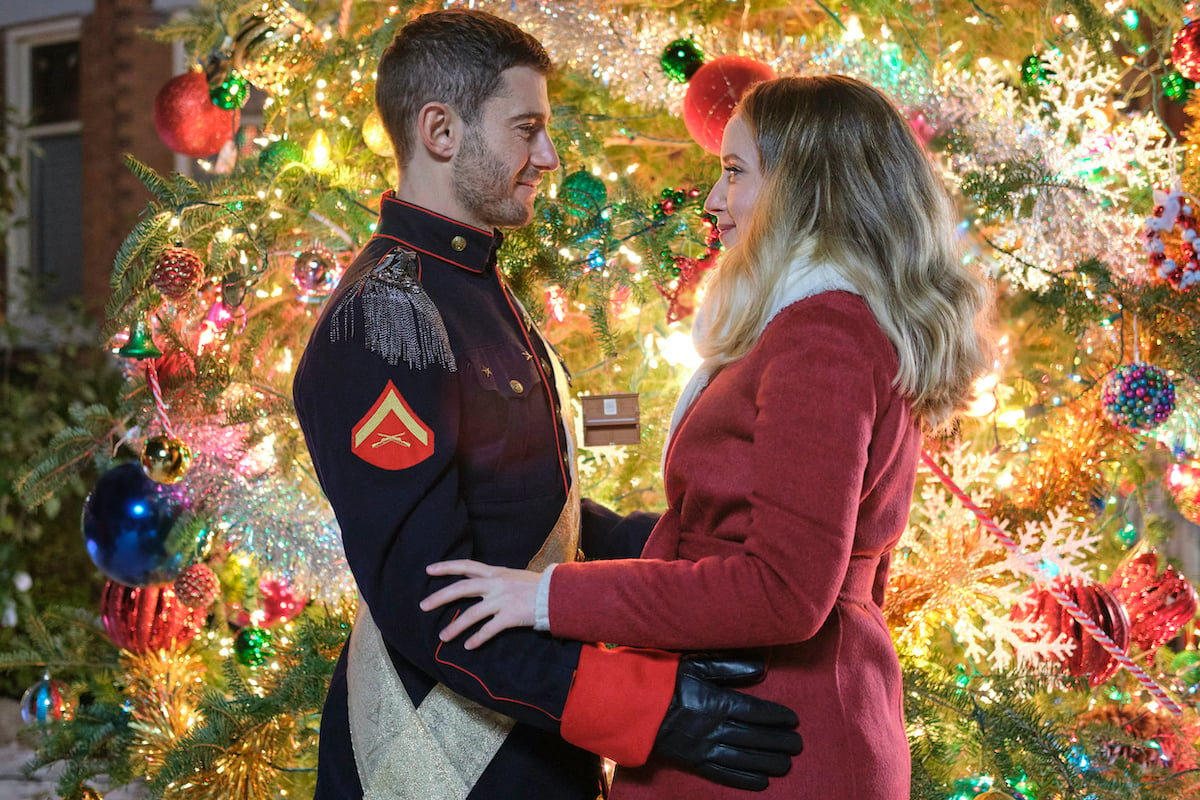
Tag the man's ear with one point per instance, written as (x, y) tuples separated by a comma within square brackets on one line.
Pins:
[(438, 128)]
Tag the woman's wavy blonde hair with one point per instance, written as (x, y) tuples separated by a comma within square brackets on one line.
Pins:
[(846, 182)]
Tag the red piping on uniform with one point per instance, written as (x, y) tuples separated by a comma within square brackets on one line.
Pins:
[(393, 199), (547, 384), (437, 655), (428, 253)]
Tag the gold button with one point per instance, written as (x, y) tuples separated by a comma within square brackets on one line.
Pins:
[(516, 386), (458, 243)]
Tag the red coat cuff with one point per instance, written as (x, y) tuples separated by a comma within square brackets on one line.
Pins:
[(618, 700)]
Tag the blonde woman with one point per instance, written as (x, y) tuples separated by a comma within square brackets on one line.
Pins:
[(839, 324)]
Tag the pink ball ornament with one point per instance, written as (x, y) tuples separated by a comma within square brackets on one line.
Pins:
[(921, 128), (713, 93), (186, 119), (1185, 50), (277, 601)]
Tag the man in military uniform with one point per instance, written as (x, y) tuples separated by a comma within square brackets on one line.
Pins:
[(434, 413)]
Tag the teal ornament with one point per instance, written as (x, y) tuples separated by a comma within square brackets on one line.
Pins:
[(1176, 87), (127, 524), (252, 646), (1035, 71), (48, 700), (583, 194), (278, 154), (681, 59), (230, 92)]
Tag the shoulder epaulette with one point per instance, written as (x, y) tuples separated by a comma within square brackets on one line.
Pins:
[(400, 322)]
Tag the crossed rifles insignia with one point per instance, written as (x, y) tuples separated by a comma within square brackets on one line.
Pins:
[(390, 435)]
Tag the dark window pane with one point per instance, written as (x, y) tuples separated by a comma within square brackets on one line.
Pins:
[(55, 82), (55, 229)]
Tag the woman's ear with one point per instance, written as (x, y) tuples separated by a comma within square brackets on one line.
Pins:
[(438, 128)]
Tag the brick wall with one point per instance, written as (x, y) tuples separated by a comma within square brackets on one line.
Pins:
[(121, 72)]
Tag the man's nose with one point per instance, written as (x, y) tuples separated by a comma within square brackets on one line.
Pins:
[(545, 157)]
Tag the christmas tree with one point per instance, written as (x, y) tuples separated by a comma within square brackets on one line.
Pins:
[(1047, 638)]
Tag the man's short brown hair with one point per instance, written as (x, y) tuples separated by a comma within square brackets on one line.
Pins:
[(454, 56)]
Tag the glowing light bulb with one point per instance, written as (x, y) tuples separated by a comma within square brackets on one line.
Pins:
[(318, 151)]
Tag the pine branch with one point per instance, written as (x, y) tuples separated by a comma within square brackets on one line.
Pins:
[(152, 180), (148, 231), (69, 451)]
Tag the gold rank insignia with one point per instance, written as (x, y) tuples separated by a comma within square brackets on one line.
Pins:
[(390, 435)]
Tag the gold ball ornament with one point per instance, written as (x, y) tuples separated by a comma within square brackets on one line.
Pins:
[(994, 794), (376, 136), (86, 793), (165, 459)]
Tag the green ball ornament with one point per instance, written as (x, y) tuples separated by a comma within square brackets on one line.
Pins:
[(1176, 87), (252, 646), (230, 93), (279, 154), (1035, 71), (681, 59), (1187, 665), (583, 194)]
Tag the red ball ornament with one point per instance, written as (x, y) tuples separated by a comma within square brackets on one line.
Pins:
[(714, 91), (147, 618), (186, 119), (197, 586), (1185, 50), (278, 601), (177, 272), (1101, 606), (1158, 604)]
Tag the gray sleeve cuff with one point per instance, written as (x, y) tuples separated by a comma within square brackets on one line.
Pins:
[(541, 604)]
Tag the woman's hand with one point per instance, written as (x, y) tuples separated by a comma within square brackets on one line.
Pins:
[(508, 596)]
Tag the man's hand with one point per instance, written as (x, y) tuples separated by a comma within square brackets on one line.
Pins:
[(726, 736)]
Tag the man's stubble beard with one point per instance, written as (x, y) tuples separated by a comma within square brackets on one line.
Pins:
[(483, 187)]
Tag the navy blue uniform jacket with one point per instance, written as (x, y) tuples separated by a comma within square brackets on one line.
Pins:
[(490, 482)]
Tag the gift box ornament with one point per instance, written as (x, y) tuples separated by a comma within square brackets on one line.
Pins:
[(610, 419)]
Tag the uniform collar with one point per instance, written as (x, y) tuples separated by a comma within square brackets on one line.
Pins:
[(432, 234)]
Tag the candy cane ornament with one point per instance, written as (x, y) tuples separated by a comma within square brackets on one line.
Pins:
[(1072, 608)]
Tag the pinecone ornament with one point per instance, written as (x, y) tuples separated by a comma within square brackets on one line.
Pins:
[(177, 272), (197, 586)]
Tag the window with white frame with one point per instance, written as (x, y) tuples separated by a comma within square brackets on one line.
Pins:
[(44, 252)]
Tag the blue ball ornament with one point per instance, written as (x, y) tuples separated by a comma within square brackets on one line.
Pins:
[(127, 522), (1138, 397)]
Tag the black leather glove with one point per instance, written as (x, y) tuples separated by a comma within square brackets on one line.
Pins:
[(726, 736)]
